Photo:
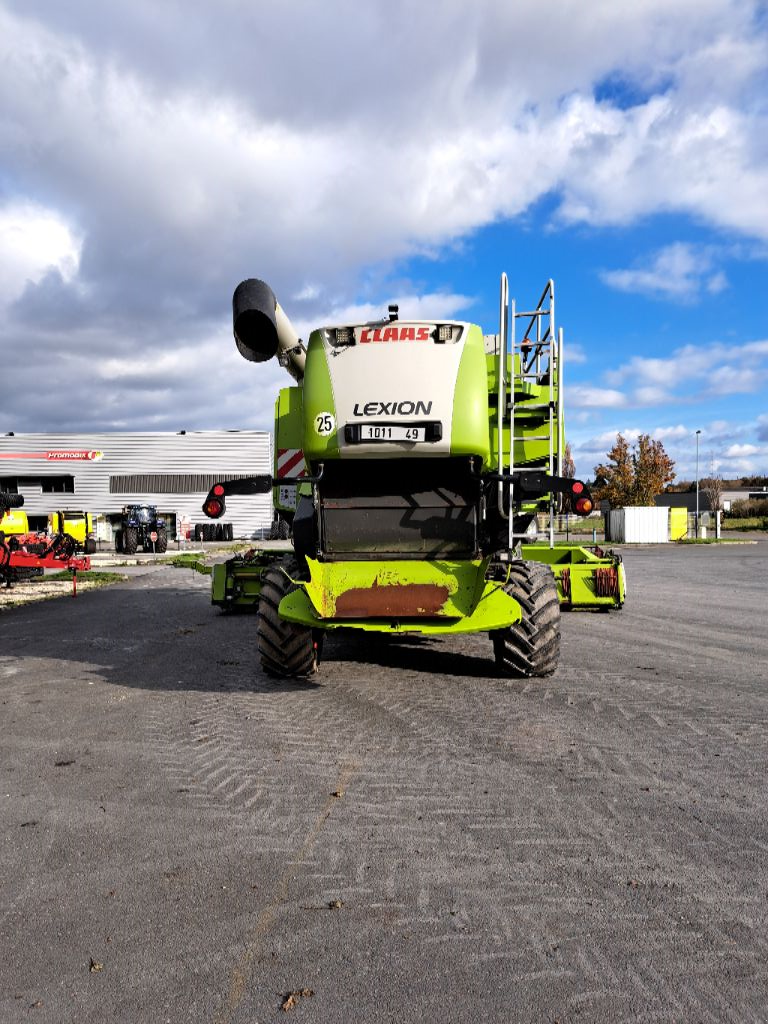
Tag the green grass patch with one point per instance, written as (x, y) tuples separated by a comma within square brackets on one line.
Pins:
[(94, 577), (190, 561), (754, 523)]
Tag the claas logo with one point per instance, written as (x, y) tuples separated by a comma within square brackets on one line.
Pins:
[(369, 334)]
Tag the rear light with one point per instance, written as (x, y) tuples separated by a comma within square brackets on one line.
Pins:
[(577, 487), (218, 490), (584, 506), (214, 508)]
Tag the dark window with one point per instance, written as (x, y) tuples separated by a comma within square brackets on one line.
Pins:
[(58, 484), (47, 484), (169, 483)]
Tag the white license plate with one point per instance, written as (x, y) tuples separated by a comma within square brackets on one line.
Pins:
[(376, 432)]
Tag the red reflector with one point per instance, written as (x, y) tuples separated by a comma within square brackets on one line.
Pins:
[(583, 506), (577, 487), (213, 508), (218, 490)]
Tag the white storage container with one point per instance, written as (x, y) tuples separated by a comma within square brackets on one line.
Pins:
[(638, 524)]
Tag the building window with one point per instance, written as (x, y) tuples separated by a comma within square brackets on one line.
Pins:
[(47, 484), (169, 483), (57, 484)]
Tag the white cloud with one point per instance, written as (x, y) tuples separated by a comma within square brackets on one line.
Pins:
[(741, 450), (693, 373), (34, 241), (411, 307), (678, 271), (651, 395), (581, 397), (178, 160), (574, 354)]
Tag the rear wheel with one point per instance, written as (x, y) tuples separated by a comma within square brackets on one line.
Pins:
[(530, 647), (119, 541), (286, 648), (130, 540)]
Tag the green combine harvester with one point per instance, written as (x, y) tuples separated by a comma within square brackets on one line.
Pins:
[(412, 459)]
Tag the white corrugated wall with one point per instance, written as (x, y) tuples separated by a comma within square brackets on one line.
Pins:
[(100, 480), (636, 524)]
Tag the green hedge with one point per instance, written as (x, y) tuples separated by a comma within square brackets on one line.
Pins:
[(748, 509)]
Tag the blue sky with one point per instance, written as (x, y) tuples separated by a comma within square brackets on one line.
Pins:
[(152, 155)]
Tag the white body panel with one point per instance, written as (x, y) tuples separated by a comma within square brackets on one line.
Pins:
[(379, 381)]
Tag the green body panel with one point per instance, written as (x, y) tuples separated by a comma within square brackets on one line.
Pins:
[(473, 604), (289, 422), (462, 582), (318, 399), (579, 573), (237, 582), (532, 422), (469, 426), (289, 433)]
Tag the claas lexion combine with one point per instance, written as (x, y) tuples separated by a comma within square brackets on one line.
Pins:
[(411, 459), (27, 555)]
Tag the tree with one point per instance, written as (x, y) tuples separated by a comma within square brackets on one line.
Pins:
[(712, 487), (569, 466), (633, 476), (569, 472)]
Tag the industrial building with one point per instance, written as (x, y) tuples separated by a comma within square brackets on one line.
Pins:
[(101, 473)]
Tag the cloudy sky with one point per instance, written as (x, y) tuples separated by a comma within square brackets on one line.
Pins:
[(153, 154)]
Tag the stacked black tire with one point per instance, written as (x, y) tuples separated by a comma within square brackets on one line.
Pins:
[(530, 648), (213, 531)]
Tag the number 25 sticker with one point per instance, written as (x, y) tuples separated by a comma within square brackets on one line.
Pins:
[(325, 424)]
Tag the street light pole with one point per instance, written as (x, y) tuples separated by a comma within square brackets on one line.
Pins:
[(697, 484)]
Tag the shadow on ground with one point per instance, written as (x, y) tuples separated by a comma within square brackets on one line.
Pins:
[(153, 634)]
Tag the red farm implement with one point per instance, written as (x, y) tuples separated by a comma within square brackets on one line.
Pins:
[(27, 555)]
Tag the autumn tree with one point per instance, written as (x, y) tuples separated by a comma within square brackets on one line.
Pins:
[(569, 466), (633, 475), (712, 488), (569, 472)]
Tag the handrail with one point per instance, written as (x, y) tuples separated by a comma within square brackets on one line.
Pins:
[(502, 382)]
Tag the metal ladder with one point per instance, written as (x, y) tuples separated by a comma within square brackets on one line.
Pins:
[(539, 355)]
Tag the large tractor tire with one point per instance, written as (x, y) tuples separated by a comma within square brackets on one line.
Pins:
[(286, 649), (161, 544), (119, 542), (530, 648), (130, 540)]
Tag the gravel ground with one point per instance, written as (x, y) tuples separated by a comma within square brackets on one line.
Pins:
[(410, 839)]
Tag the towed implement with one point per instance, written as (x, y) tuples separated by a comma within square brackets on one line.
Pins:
[(412, 459), (27, 555)]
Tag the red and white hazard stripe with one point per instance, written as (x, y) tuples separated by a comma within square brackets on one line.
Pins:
[(290, 462)]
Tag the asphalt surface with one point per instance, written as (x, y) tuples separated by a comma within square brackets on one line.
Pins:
[(412, 839)]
